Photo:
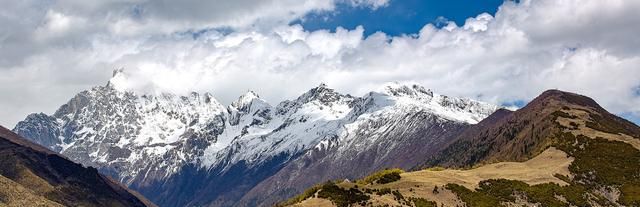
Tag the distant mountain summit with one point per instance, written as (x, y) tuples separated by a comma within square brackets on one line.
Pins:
[(192, 150)]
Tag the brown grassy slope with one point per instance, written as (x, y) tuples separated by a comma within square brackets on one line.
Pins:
[(520, 135), (421, 184), (57, 179), (14, 194)]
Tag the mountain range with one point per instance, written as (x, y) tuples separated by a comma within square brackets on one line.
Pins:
[(401, 144), (193, 151)]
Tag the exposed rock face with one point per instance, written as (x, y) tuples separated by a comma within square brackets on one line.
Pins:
[(191, 150), (42, 129), (52, 180)]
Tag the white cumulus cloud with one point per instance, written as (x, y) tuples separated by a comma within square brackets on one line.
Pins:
[(585, 46)]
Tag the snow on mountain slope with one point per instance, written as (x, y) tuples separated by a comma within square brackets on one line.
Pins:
[(395, 126), (128, 134), (295, 126), (145, 138)]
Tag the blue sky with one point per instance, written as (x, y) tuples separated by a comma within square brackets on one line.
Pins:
[(399, 16)]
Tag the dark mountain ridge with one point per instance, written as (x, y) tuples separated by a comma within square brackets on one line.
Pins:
[(519, 135), (50, 175)]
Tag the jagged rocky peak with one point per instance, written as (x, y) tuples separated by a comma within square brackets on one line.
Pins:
[(118, 79), (322, 94), (413, 90), (99, 98), (319, 99), (119, 87), (249, 103), (206, 97), (244, 101), (393, 93), (193, 99), (117, 72), (411, 95), (42, 129)]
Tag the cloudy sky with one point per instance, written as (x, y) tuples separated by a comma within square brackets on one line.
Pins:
[(501, 52)]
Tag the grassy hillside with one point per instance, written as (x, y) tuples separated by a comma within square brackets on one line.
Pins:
[(561, 150), (430, 185), (14, 194), (31, 175)]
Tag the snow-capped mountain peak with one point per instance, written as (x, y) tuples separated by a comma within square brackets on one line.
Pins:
[(399, 90), (119, 80), (244, 102), (149, 138), (399, 96), (322, 94), (251, 107)]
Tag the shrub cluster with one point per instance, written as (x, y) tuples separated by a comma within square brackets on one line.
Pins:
[(421, 202), (597, 163), (342, 197), (310, 192), (382, 177)]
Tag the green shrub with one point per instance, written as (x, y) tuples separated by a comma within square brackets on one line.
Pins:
[(342, 197), (421, 202), (494, 192), (382, 191), (382, 177), (608, 124), (397, 195), (563, 114), (597, 163), (471, 198), (437, 168), (310, 192), (574, 125), (601, 162), (630, 194)]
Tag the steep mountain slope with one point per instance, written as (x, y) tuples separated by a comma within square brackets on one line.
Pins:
[(191, 150), (575, 153), (394, 135), (528, 131), (14, 194), (33, 175)]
